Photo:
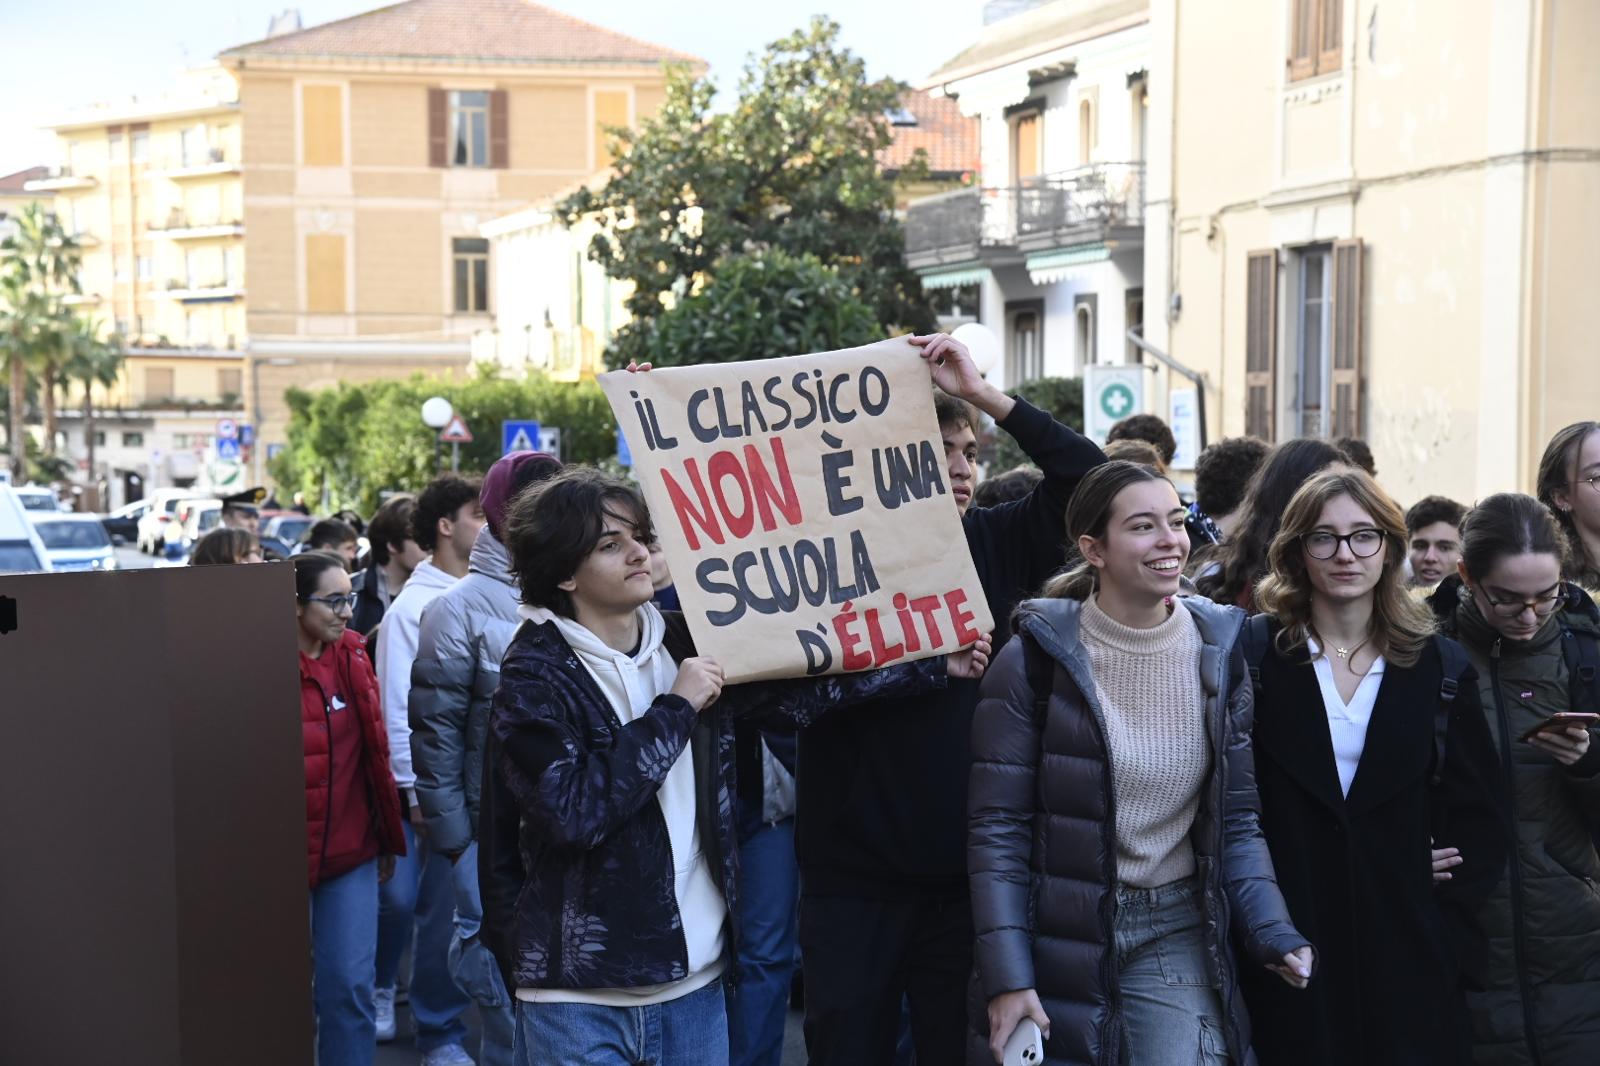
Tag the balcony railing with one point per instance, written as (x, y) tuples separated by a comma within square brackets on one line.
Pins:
[(59, 178), (1056, 210), (179, 226), (201, 162)]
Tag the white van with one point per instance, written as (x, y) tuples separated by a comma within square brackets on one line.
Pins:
[(21, 550)]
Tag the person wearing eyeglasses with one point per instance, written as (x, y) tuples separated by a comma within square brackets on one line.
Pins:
[(1569, 485), (1535, 640), (352, 808), (1370, 743)]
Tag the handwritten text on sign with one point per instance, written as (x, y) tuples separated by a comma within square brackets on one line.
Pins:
[(804, 508)]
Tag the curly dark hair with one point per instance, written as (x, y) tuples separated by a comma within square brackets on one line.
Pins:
[(1150, 429), (444, 496), (553, 526), (1223, 473)]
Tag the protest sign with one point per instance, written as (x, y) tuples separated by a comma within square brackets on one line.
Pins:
[(805, 509)]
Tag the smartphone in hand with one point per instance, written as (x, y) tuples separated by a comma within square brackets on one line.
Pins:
[(1562, 720), (1026, 1046)]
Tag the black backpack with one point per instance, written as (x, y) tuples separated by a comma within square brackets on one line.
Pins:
[(1257, 637)]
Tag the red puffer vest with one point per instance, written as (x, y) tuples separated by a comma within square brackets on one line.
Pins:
[(352, 662)]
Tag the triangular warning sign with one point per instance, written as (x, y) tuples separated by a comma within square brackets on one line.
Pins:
[(456, 431), (521, 443)]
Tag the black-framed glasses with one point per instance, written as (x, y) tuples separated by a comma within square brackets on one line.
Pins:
[(1543, 606), (334, 603), (1364, 543)]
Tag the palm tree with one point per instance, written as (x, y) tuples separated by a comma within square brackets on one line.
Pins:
[(48, 260), (93, 362), (22, 312)]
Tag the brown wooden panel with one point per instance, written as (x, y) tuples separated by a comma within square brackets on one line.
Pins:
[(1347, 338), (499, 125), (438, 124), (1261, 344)]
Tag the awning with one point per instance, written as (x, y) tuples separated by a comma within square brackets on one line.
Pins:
[(955, 276), (1047, 268)]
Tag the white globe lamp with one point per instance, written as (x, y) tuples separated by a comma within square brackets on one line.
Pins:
[(982, 343), (436, 412)]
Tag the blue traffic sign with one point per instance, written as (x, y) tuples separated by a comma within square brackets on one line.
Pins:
[(227, 448), (624, 456), (519, 436), (247, 434)]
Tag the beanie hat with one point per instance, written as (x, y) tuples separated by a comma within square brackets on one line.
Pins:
[(507, 478)]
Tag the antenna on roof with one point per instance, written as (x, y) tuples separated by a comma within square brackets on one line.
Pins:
[(288, 22)]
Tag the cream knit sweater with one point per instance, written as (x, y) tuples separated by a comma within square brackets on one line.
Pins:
[(1148, 685)]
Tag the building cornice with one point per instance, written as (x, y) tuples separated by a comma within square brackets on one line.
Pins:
[(432, 66)]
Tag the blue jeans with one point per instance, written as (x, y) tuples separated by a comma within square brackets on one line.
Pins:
[(769, 892), (1172, 1008), (421, 897), (474, 968), (344, 929), (691, 1030)]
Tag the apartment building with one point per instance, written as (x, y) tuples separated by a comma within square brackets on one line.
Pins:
[(375, 147)]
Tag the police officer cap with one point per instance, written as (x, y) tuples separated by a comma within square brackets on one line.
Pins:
[(249, 499)]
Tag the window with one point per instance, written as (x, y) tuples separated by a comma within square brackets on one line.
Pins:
[(1027, 147), (1316, 43), (133, 440), (157, 384), (1025, 341), (1312, 323), (230, 383), (230, 266), (146, 267), (1085, 305), (139, 145), (113, 144), (1086, 131), (469, 129), (192, 142), (99, 438), (471, 256), (191, 275)]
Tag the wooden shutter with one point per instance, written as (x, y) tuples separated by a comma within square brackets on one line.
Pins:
[(1303, 39), (1330, 36), (1261, 345), (438, 129), (1345, 378), (499, 131)]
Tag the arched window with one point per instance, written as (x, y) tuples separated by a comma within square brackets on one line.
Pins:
[(1086, 138)]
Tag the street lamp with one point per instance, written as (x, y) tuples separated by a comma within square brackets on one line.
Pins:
[(436, 412)]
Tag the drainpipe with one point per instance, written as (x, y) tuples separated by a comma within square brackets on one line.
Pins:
[(1182, 371)]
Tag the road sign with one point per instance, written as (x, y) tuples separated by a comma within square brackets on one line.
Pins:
[(519, 435), (1183, 409), (1110, 394), (247, 434), (227, 429), (624, 456), (550, 441), (227, 449), (456, 431)]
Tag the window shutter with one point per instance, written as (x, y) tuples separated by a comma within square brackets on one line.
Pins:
[(1303, 39), (1346, 375), (1330, 39), (438, 129), (499, 126), (1261, 345)]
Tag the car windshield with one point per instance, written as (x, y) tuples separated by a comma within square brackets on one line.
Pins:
[(292, 529), (72, 535), (17, 556), (209, 519), (37, 501)]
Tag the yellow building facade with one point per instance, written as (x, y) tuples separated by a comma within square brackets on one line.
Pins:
[(1383, 221), (376, 147)]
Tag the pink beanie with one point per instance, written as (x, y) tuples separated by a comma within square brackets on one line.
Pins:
[(510, 474)]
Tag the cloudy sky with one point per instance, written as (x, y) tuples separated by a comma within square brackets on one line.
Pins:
[(58, 54)]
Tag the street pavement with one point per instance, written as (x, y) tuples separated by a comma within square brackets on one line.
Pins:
[(131, 558)]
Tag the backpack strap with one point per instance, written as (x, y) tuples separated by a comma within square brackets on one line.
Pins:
[(1582, 653), (1454, 664), (1040, 670), (1254, 639)]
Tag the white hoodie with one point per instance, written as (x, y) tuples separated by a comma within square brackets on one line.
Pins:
[(397, 649), (631, 683)]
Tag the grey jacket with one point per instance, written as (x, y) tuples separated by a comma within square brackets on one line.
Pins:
[(1041, 852), (464, 636)]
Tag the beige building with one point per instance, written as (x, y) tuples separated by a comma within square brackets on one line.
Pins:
[(376, 147), (1381, 220)]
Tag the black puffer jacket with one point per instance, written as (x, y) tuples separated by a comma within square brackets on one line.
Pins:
[(1042, 846), (1538, 1003)]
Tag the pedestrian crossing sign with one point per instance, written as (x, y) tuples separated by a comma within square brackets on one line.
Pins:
[(518, 436)]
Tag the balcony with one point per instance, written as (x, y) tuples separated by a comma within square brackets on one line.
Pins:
[(179, 227), (1099, 204), (208, 290), (60, 179), (209, 163)]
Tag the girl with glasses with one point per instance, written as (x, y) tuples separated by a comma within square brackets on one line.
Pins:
[(352, 808), (1569, 485), (1536, 998), (1370, 742)]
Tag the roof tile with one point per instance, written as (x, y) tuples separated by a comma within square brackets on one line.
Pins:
[(949, 137)]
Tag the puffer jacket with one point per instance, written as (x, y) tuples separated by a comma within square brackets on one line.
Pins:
[(352, 663), (464, 635), (1538, 1002), (1042, 839), (574, 857)]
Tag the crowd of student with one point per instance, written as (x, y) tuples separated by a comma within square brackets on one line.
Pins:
[(1273, 776)]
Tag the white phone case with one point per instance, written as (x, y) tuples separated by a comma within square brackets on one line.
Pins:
[(1026, 1046)]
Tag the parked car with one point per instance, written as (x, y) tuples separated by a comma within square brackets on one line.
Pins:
[(124, 521), (21, 550), (163, 509), (75, 541), (38, 498), (194, 519)]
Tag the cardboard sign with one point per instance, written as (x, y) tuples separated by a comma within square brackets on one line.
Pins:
[(805, 509)]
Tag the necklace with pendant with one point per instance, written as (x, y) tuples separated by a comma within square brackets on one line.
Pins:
[(1343, 653)]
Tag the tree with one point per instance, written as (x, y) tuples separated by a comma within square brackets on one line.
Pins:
[(792, 167), (756, 307), (1062, 398), (49, 259), (90, 362)]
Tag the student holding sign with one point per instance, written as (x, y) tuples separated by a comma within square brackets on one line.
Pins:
[(881, 828), (609, 768)]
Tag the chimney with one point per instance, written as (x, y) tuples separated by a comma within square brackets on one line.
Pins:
[(288, 22)]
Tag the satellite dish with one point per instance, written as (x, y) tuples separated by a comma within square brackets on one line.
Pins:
[(982, 343)]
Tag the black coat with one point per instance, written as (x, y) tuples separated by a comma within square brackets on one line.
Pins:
[(1357, 872), (1042, 840)]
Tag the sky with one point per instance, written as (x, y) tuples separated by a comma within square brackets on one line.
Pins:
[(57, 55)]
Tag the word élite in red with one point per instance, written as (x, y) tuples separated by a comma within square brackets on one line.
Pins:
[(863, 644)]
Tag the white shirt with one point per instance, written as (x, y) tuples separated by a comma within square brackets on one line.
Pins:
[(1347, 722)]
